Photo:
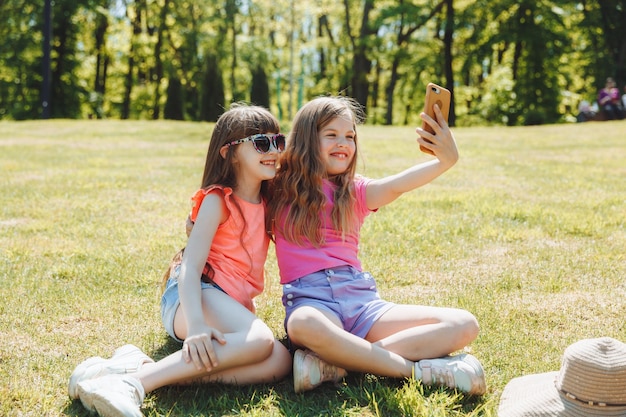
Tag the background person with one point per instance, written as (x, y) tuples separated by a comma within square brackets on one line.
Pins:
[(609, 100), (585, 112)]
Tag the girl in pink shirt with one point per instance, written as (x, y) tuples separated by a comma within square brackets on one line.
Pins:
[(334, 315), (208, 299)]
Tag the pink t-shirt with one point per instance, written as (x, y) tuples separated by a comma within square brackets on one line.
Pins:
[(296, 261), (238, 261)]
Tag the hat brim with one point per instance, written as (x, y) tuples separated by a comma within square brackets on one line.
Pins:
[(537, 396)]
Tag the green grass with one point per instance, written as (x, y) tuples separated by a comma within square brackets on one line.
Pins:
[(527, 232)]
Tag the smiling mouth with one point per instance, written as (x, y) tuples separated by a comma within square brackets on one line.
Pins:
[(268, 163)]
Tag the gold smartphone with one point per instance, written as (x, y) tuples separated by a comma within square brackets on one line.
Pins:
[(435, 94)]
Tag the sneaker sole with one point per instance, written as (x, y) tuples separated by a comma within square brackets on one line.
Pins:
[(106, 407), (86, 397), (481, 388), (298, 378)]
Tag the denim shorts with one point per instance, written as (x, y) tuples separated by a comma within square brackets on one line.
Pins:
[(170, 301), (344, 291)]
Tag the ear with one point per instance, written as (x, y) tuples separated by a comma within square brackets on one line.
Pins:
[(223, 151)]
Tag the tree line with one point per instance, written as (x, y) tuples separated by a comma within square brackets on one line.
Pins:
[(506, 62)]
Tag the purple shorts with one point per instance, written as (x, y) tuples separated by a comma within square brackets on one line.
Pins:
[(343, 291)]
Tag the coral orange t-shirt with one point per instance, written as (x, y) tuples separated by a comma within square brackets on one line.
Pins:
[(237, 260)]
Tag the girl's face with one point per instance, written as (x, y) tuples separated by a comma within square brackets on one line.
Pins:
[(255, 166), (337, 144)]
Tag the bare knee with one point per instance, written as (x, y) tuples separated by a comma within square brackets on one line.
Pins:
[(300, 327), (260, 341), (310, 330), (468, 327)]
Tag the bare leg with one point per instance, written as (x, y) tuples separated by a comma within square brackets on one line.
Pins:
[(322, 333), (401, 336), (174, 370), (250, 355), (420, 332)]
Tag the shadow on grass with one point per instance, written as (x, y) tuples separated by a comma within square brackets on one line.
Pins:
[(359, 394)]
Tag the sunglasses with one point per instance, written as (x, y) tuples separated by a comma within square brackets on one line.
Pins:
[(262, 142)]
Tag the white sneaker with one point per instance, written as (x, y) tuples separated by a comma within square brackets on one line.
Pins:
[(112, 395), (463, 372), (125, 359), (309, 371)]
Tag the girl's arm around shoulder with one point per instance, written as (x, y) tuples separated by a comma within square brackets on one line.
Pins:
[(385, 190)]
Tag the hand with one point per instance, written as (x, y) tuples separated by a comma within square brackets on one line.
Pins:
[(199, 347), (188, 225), (441, 143)]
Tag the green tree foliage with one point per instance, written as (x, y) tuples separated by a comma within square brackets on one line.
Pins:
[(537, 47), (602, 30), (67, 91), (21, 60), (527, 38), (511, 62), (402, 21)]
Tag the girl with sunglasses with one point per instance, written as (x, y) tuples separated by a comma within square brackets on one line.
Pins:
[(334, 314), (207, 304)]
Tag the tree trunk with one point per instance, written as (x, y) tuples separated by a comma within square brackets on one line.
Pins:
[(101, 59), (231, 17), (102, 64), (393, 80), (57, 98), (158, 65), (361, 63), (376, 90), (128, 81), (447, 45), (403, 38)]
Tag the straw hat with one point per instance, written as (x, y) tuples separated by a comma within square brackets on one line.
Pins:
[(591, 382)]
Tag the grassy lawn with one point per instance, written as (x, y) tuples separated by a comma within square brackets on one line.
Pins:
[(528, 232)]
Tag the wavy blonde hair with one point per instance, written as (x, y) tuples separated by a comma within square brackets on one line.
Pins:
[(298, 185)]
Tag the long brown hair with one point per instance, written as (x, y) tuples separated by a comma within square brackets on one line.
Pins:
[(298, 185), (239, 122)]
